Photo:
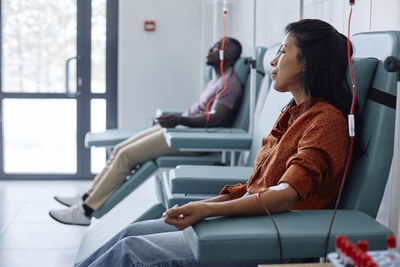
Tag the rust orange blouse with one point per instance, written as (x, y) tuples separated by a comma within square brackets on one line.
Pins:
[(306, 149)]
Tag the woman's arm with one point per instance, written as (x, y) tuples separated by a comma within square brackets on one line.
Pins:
[(220, 198), (274, 201)]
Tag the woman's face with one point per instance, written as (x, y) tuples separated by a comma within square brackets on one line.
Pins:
[(287, 73)]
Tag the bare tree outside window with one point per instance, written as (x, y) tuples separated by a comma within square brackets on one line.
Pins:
[(98, 54), (38, 37)]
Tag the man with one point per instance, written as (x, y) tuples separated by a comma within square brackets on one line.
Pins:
[(150, 143)]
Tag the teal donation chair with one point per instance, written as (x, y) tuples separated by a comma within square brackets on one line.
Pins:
[(303, 233)]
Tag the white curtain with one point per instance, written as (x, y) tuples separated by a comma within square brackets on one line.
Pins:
[(389, 211)]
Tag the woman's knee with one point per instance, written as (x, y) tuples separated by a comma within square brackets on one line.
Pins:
[(137, 250), (130, 230)]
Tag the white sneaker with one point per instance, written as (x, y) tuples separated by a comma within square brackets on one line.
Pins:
[(74, 215), (69, 201)]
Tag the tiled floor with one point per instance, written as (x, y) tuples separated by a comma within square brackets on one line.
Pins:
[(28, 236)]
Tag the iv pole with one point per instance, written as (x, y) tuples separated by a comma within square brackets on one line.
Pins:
[(252, 62)]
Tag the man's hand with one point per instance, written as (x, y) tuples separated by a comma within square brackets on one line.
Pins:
[(186, 215), (169, 120)]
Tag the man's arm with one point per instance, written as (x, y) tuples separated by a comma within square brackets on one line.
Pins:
[(219, 116), (274, 201)]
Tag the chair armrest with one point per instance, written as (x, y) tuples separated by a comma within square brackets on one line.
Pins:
[(112, 137), (108, 138), (180, 199), (303, 235), (208, 141), (191, 179), (160, 112), (185, 129)]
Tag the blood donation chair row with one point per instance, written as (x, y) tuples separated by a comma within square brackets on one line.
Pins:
[(140, 197), (303, 232)]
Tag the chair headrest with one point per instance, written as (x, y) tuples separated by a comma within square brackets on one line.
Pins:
[(207, 73), (260, 51), (241, 69), (379, 45), (364, 69)]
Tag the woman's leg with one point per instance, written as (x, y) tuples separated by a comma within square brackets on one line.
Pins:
[(161, 249), (135, 229), (116, 150), (168, 248), (146, 148)]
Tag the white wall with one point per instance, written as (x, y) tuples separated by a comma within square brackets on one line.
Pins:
[(273, 16), (160, 69)]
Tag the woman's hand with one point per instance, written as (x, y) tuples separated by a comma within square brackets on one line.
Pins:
[(186, 215)]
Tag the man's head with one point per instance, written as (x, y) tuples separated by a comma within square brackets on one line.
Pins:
[(232, 52)]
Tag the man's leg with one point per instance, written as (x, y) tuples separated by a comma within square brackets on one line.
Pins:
[(118, 148), (71, 201), (146, 148)]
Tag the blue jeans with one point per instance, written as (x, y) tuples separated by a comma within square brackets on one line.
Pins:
[(152, 243)]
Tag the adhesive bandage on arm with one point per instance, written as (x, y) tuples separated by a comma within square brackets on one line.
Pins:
[(279, 187)]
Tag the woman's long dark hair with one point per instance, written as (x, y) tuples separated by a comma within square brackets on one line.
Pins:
[(323, 51)]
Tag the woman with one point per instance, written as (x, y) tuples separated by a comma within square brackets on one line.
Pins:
[(304, 154)]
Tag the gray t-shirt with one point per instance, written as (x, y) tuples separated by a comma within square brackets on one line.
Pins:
[(230, 98)]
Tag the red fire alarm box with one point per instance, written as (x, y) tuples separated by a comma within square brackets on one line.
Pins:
[(149, 25)]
